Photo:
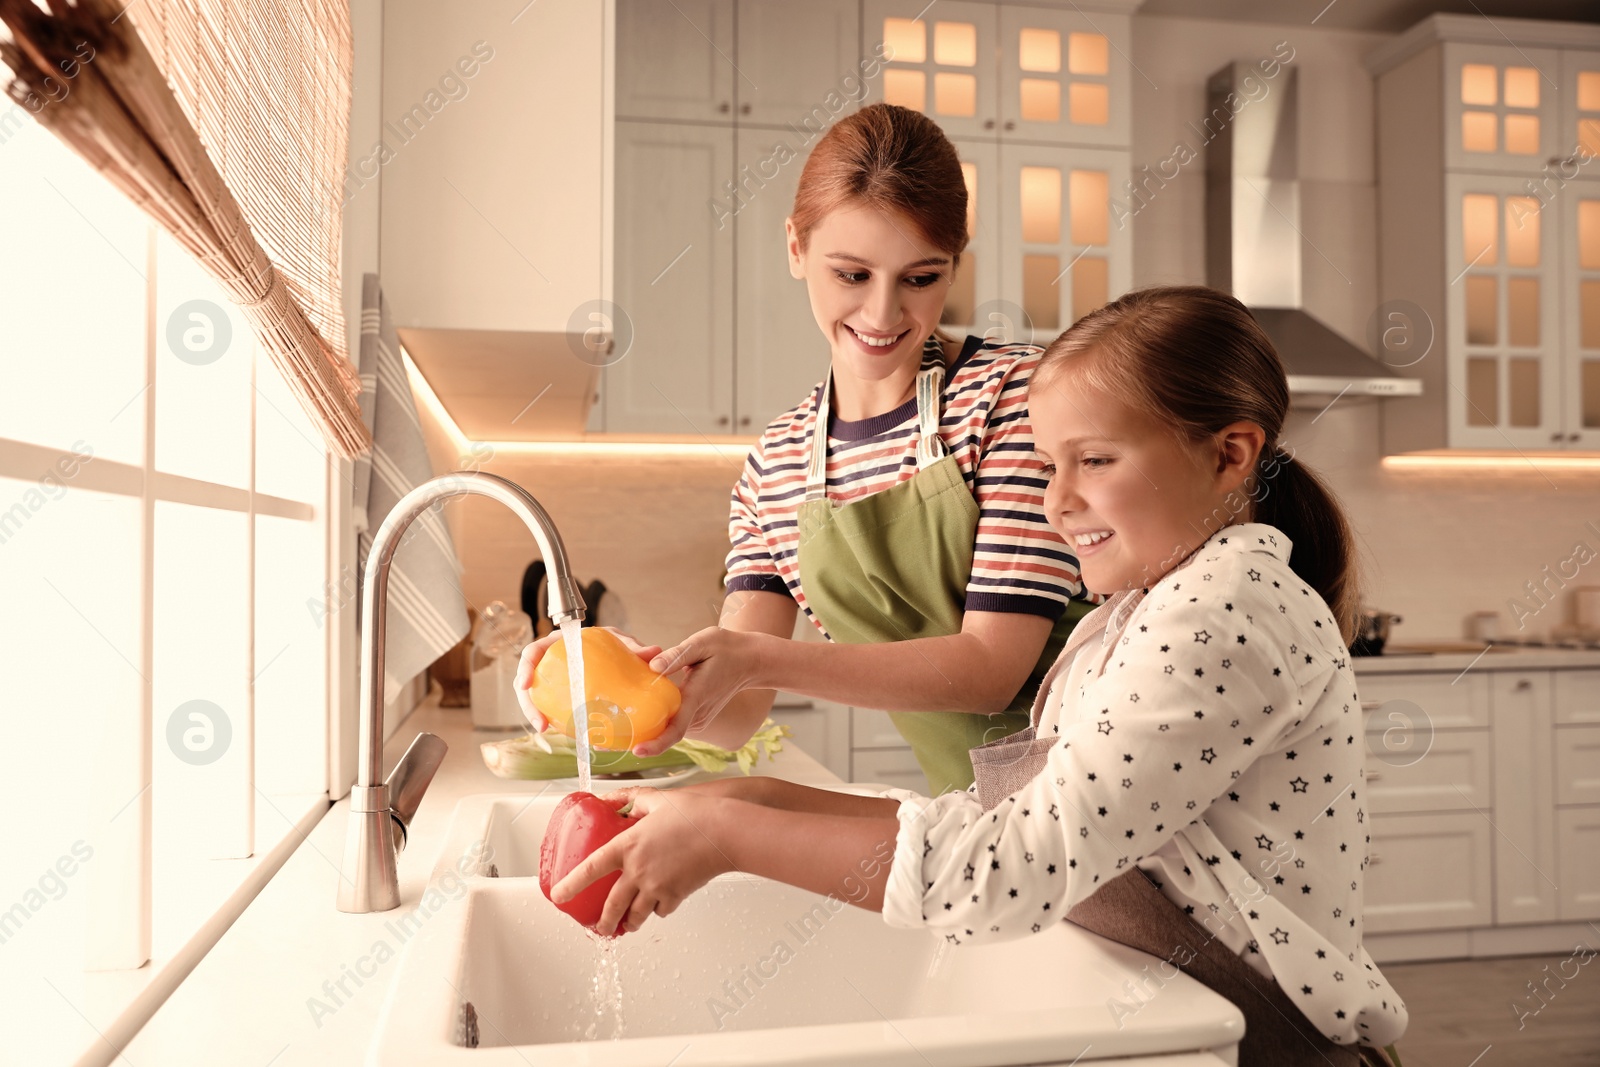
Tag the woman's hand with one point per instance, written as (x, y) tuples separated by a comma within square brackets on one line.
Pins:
[(718, 665), (671, 852), (530, 662)]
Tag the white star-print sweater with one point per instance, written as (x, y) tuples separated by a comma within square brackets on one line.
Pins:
[(1212, 736)]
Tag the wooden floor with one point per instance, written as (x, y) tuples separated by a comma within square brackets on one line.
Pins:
[(1480, 1013)]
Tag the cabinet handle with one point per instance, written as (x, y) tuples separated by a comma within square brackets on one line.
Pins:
[(744, 109), (1372, 859), (1573, 436), (988, 124), (1010, 125), (744, 420), (723, 107), (1373, 776), (1523, 685), (1556, 436), (722, 420)]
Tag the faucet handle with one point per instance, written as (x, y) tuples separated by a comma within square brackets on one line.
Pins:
[(410, 779)]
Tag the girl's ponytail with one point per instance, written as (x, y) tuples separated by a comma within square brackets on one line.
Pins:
[(1296, 500), (1195, 359)]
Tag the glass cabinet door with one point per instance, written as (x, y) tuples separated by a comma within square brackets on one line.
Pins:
[(1580, 110), (972, 304), (1502, 301), (1064, 76), (1502, 108), (1580, 219), (939, 61), (1067, 254)]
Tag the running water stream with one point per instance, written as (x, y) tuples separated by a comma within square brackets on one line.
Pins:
[(572, 639)]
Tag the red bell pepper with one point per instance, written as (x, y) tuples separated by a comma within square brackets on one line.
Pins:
[(579, 825)]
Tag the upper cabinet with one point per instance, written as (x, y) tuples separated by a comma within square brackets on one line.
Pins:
[(1489, 235), (1005, 71), (675, 60), (494, 209), (719, 104)]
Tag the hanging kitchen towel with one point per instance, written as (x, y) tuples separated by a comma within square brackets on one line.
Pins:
[(427, 611)]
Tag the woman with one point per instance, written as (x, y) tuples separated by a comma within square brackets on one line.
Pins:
[(899, 505)]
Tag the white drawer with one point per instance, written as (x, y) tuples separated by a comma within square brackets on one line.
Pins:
[(1452, 774), (1577, 696), (1577, 764), (1451, 701), (891, 766)]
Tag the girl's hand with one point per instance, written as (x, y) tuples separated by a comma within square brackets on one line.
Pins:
[(719, 664), (535, 652), (670, 854)]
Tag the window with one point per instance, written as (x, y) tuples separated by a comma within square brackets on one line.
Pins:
[(163, 563)]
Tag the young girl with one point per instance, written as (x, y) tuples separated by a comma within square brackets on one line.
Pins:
[(1193, 783)]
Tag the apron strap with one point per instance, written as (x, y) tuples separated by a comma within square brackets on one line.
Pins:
[(930, 446)]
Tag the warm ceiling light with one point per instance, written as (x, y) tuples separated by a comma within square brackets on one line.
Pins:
[(733, 449)]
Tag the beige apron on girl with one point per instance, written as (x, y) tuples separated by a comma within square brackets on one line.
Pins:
[(1131, 911), (894, 566)]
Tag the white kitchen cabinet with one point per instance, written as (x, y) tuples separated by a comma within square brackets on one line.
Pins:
[(1500, 113), (1455, 773), (1580, 101), (1064, 76), (940, 61), (675, 60), (821, 728), (1578, 838), (1577, 750), (1428, 872), (1503, 321), (1010, 72), (796, 62), (1061, 252), (891, 766), (1524, 798), (780, 353), (674, 281), (493, 211), (1579, 279), (1491, 233)]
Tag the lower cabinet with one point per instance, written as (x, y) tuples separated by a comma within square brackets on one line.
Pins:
[(889, 766), (1578, 870), (1484, 789), (1428, 871)]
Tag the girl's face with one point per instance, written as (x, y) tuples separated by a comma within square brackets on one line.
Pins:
[(1125, 492), (877, 288)]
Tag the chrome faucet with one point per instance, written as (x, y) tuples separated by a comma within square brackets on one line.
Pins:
[(381, 811)]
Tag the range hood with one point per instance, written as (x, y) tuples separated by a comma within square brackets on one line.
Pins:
[(1254, 242)]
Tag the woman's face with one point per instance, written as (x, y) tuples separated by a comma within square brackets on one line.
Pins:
[(1131, 498), (877, 288)]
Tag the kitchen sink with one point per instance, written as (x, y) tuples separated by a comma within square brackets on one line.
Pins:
[(749, 970)]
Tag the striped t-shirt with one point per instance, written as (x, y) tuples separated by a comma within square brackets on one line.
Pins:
[(1019, 563)]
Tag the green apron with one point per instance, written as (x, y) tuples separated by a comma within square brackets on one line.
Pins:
[(894, 566)]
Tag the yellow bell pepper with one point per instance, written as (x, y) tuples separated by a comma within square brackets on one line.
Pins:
[(627, 702)]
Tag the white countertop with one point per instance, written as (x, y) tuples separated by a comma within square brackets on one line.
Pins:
[(248, 1002), (1403, 660)]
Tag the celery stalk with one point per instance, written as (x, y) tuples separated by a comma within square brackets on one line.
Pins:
[(553, 755)]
